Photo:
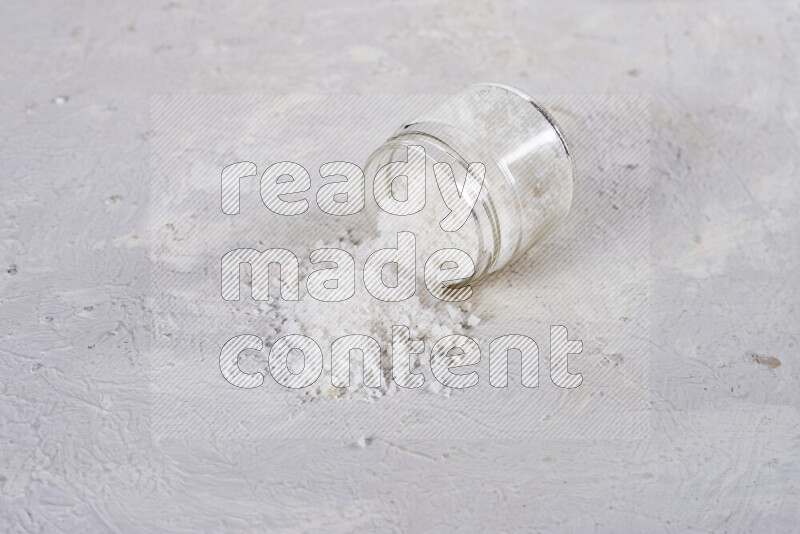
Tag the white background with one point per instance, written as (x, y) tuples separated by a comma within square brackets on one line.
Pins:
[(76, 452)]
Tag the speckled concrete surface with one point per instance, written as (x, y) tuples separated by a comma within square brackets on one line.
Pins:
[(76, 453)]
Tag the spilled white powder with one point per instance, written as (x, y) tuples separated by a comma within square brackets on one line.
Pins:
[(531, 190), (427, 318)]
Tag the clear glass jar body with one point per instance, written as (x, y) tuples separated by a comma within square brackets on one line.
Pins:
[(529, 170)]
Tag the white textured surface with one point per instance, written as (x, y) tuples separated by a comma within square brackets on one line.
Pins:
[(75, 447)]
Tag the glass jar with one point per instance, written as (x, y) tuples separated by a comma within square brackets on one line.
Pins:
[(529, 170)]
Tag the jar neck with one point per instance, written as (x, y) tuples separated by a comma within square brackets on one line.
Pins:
[(483, 217)]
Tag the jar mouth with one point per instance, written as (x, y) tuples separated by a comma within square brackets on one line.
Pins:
[(529, 168), (482, 215)]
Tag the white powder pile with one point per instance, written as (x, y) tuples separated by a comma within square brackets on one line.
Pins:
[(427, 318)]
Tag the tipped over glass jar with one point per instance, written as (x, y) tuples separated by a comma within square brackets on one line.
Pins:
[(528, 170)]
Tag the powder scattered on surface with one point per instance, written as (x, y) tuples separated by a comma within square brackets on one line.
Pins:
[(427, 318)]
